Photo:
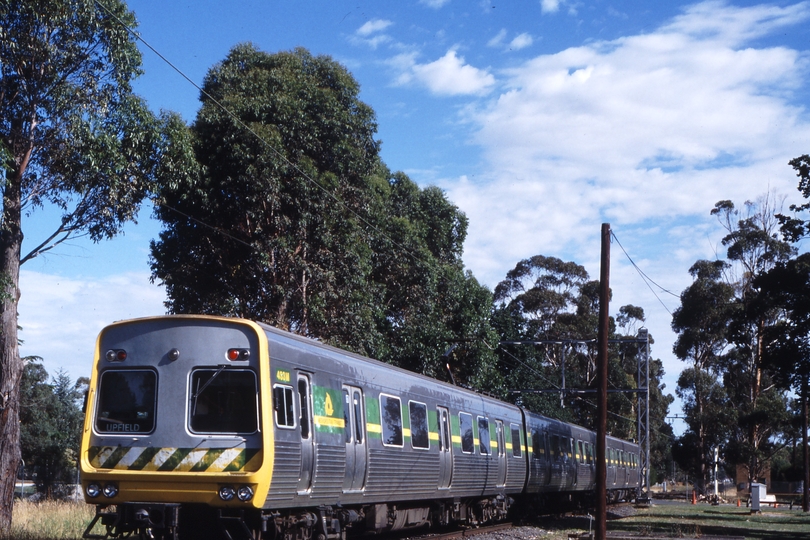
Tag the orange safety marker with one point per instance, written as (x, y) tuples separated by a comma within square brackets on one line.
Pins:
[(694, 498), (738, 503)]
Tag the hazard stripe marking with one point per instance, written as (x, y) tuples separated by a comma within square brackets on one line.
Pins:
[(175, 459)]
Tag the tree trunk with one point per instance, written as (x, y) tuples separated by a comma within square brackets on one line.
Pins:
[(11, 367), (806, 451)]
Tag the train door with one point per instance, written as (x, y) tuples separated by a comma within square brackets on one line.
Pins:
[(355, 437), (307, 437), (501, 453), (445, 449)]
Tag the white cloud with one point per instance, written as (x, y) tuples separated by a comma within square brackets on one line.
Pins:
[(521, 41), (373, 26), (550, 6), (447, 76), (497, 39), (61, 317), (371, 34), (435, 4), (645, 132)]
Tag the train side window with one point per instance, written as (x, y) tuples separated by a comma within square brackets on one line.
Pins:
[(359, 423), (466, 427), (555, 448), (538, 452), (419, 425), (303, 398), (483, 436), (391, 420), (580, 453), (347, 416), (517, 443), (283, 406)]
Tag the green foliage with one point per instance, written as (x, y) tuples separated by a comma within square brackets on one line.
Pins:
[(552, 309), (77, 136), (292, 219), (74, 136), (50, 426), (729, 398)]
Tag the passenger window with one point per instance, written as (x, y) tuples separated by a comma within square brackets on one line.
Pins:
[(537, 445), (303, 399), (283, 406), (466, 427), (483, 436), (419, 425), (358, 416), (581, 453), (347, 416), (517, 444), (391, 420), (555, 448)]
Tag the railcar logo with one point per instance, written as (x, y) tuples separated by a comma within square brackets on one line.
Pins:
[(175, 459)]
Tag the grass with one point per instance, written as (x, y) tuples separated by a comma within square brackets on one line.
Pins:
[(50, 520), (67, 521), (694, 521), (703, 519)]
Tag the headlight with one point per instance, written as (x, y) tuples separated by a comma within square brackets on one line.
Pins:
[(244, 493), (110, 490), (226, 493), (93, 490)]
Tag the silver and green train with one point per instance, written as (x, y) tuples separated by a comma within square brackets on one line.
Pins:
[(209, 427)]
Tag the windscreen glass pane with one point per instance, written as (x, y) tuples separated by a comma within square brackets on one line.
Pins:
[(126, 402), (223, 401)]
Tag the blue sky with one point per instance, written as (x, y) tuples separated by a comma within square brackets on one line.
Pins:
[(540, 120)]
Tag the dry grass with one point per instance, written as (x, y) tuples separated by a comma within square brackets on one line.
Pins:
[(49, 520)]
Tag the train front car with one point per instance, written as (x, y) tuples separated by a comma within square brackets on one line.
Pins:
[(173, 443)]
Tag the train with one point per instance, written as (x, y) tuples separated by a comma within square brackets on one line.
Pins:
[(206, 427)]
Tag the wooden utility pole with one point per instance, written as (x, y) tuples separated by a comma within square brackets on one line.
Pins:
[(601, 378)]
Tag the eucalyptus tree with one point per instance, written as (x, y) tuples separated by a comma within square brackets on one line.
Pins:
[(721, 334), (552, 303), (293, 219), (754, 245), (72, 135), (701, 323), (787, 343)]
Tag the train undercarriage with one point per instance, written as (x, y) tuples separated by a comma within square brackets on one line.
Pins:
[(172, 521)]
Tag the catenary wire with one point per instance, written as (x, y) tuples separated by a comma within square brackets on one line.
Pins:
[(647, 280)]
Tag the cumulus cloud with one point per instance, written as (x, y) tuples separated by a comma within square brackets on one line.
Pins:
[(521, 41), (373, 26), (645, 132), (450, 75), (79, 309), (550, 6), (435, 4), (372, 33)]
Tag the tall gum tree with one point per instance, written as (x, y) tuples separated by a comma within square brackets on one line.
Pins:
[(292, 219), (72, 135)]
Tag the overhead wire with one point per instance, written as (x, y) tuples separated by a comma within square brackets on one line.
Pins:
[(647, 280)]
